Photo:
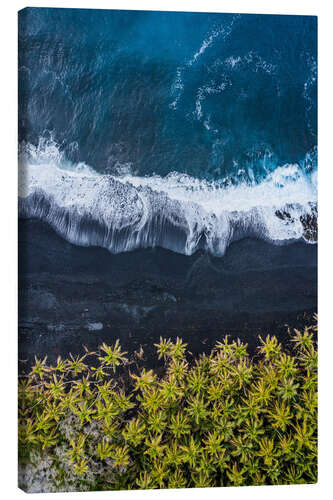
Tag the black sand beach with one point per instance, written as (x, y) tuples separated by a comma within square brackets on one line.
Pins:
[(70, 295)]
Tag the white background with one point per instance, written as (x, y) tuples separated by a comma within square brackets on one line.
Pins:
[(8, 242)]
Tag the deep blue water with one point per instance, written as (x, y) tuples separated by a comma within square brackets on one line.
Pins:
[(182, 131), (131, 100), (198, 93)]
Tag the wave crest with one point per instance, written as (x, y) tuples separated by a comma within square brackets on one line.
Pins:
[(177, 212)]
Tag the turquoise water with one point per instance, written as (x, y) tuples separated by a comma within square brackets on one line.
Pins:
[(180, 130)]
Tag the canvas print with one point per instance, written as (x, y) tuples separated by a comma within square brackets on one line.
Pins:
[(167, 250)]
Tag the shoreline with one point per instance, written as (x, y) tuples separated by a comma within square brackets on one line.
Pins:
[(70, 295)]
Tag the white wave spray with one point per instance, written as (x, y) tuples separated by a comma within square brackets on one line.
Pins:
[(177, 212)]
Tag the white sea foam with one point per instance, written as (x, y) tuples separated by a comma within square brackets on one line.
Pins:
[(221, 32), (177, 212), (202, 93)]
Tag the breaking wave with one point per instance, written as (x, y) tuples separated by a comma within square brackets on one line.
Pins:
[(177, 212)]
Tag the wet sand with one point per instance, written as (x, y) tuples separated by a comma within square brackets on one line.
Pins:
[(70, 295)]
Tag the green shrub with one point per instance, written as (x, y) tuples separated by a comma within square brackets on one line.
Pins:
[(222, 420)]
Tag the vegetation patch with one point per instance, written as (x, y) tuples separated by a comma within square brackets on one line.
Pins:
[(100, 422)]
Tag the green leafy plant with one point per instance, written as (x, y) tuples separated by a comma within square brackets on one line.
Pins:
[(223, 419)]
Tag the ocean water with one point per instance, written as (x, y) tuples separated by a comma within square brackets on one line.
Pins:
[(181, 130)]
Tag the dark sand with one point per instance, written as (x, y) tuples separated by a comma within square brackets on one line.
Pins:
[(70, 295)]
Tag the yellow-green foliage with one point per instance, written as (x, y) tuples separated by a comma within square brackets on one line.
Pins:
[(222, 420)]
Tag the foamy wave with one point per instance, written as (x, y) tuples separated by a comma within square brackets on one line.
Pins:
[(221, 32), (177, 212)]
